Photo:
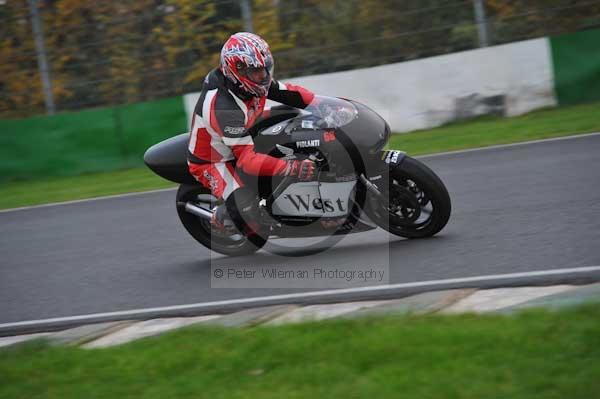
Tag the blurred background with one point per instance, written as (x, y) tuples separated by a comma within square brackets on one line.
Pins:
[(94, 83), (60, 55)]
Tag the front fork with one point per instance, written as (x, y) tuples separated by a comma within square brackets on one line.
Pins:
[(376, 181), (375, 178)]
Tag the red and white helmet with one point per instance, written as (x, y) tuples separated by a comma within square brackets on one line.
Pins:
[(247, 61)]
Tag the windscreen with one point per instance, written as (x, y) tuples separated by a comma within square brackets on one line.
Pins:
[(331, 112)]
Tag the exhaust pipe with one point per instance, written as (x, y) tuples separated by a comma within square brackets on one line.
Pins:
[(196, 210)]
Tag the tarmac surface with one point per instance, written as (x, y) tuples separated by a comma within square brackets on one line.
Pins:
[(515, 209)]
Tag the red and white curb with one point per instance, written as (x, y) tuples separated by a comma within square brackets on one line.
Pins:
[(445, 302)]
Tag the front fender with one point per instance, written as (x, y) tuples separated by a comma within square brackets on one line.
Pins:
[(393, 157), (380, 163)]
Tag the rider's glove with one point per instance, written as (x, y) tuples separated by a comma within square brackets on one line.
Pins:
[(303, 170)]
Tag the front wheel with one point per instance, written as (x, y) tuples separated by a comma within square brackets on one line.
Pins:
[(415, 204), (227, 243)]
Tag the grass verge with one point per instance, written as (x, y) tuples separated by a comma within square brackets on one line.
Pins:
[(536, 353), (90, 185), (487, 131), (479, 133)]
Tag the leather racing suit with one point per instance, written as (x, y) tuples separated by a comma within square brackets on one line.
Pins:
[(220, 143)]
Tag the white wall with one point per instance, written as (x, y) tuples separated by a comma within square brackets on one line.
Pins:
[(423, 93)]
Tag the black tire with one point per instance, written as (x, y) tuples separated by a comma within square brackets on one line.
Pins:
[(200, 229), (432, 197)]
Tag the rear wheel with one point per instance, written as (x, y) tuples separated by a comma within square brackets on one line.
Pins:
[(227, 242), (417, 203)]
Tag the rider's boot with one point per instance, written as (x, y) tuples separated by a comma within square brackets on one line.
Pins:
[(220, 217), (242, 207)]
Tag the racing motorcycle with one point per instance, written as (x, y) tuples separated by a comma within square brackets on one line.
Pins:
[(359, 185)]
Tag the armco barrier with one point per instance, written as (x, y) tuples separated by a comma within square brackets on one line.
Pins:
[(94, 140)]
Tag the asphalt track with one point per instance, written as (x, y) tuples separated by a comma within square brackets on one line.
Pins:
[(515, 209)]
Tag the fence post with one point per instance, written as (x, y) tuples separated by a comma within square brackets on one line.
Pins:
[(247, 15), (482, 23), (40, 51)]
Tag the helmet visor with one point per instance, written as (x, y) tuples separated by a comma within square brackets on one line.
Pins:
[(258, 75)]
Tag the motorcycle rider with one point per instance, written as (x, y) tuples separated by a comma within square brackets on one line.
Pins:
[(233, 96)]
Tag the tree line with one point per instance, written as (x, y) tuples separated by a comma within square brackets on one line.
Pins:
[(113, 52)]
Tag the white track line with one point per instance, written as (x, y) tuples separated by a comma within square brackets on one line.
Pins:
[(500, 146), (23, 208), (493, 147), (257, 301)]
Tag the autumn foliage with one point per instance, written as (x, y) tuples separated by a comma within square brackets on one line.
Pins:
[(113, 52)]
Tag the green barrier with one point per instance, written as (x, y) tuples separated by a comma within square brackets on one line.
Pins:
[(88, 141), (576, 59)]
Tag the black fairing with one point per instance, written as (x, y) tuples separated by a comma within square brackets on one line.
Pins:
[(369, 131), (168, 159), (350, 149), (363, 139), (355, 146)]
